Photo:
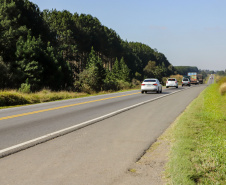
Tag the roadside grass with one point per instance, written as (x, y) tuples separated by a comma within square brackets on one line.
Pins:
[(198, 141), (13, 98)]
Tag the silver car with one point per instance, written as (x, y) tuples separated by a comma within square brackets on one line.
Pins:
[(186, 81), (151, 85), (171, 82)]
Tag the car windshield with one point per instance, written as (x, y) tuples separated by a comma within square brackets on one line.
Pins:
[(171, 79), (185, 79), (148, 80)]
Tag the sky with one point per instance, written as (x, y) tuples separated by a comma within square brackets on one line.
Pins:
[(187, 32)]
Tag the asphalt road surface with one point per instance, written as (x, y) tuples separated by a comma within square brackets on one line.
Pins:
[(99, 153)]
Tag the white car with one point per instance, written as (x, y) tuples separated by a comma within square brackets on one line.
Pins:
[(171, 82), (151, 85)]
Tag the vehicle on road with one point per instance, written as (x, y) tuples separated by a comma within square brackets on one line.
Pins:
[(200, 78), (151, 85), (186, 82), (171, 82), (193, 78)]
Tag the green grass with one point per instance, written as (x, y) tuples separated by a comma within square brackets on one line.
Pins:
[(198, 152)]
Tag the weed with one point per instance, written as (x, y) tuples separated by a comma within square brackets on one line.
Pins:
[(199, 140), (132, 170)]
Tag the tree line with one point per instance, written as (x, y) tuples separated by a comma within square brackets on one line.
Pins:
[(59, 50)]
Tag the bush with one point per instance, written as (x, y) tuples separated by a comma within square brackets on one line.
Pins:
[(86, 88), (136, 83), (164, 79), (123, 85), (221, 80), (25, 88), (110, 85), (12, 98), (222, 88), (77, 86)]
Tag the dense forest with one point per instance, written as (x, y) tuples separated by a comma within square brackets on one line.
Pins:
[(183, 70), (59, 50)]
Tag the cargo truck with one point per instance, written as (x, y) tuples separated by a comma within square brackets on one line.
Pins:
[(193, 77), (200, 78)]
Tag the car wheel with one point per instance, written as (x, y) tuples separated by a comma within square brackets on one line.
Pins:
[(161, 90), (167, 87), (176, 86), (182, 85), (142, 92), (146, 92)]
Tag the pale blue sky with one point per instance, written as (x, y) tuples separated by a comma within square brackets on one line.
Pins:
[(187, 32)]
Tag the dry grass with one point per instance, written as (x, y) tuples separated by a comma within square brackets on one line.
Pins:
[(9, 98), (13, 97), (222, 88)]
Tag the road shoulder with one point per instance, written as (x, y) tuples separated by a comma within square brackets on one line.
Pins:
[(149, 169)]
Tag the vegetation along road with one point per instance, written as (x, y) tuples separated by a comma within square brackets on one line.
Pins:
[(96, 154)]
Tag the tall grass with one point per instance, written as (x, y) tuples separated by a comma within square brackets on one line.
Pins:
[(199, 141), (13, 97), (221, 81)]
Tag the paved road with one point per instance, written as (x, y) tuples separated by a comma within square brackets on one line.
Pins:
[(99, 153), (18, 125)]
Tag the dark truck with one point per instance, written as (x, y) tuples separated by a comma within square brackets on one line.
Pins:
[(200, 78)]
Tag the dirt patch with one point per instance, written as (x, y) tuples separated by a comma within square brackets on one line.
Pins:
[(148, 170)]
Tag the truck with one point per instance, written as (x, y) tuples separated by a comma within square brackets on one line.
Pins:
[(193, 77), (200, 78)]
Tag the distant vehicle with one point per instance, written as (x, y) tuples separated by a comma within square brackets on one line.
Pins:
[(193, 78), (185, 76), (151, 85), (200, 78), (186, 82), (171, 82)]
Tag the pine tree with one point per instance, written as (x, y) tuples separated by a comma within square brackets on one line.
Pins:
[(124, 72), (94, 74)]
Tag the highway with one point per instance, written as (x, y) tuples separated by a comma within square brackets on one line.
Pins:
[(102, 136)]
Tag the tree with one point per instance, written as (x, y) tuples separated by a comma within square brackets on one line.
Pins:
[(59, 48), (124, 72), (63, 28), (149, 70), (183, 70), (41, 66), (120, 70), (91, 79), (4, 74), (28, 54)]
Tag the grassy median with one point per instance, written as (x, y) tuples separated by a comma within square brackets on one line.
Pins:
[(198, 140)]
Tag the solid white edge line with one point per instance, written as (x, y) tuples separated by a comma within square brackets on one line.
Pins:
[(47, 137)]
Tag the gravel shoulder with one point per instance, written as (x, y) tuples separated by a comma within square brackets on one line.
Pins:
[(149, 169)]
